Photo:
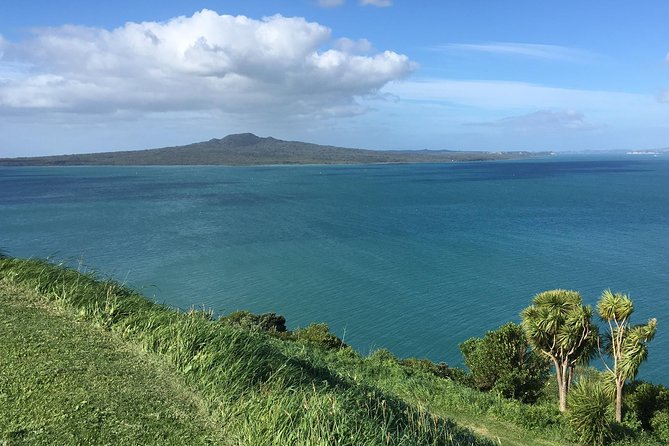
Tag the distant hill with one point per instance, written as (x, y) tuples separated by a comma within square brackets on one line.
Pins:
[(248, 149)]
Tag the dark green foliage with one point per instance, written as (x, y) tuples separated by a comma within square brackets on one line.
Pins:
[(645, 400), (502, 361), (589, 413), (537, 417), (442, 370), (383, 355), (660, 425), (269, 322), (319, 334)]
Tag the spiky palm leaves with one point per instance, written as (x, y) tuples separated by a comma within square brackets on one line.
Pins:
[(627, 345), (558, 325), (588, 403)]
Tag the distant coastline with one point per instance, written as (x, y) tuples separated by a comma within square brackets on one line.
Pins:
[(247, 149), (645, 152)]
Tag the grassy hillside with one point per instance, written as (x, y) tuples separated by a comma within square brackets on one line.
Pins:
[(249, 149), (63, 381), (255, 392), (88, 361)]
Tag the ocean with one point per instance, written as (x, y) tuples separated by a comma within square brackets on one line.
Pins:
[(415, 258)]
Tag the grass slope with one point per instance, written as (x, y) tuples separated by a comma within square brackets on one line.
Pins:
[(88, 361), (63, 381), (254, 392)]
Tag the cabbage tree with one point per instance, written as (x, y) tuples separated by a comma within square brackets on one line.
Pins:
[(627, 345), (560, 327)]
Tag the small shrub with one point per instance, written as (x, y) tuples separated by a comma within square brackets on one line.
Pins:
[(502, 361), (536, 417), (269, 322), (460, 376), (441, 370), (631, 423), (319, 334), (383, 355), (348, 353), (589, 413), (660, 425), (645, 399)]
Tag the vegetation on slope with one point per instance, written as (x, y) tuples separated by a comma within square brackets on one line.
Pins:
[(63, 381), (253, 382), (255, 392)]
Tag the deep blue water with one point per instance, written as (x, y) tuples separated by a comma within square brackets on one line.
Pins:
[(415, 258)]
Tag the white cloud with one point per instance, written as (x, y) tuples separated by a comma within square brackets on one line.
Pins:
[(10, 70), (504, 95), (360, 46), (542, 120), (465, 101), (330, 3), (207, 61), (532, 50), (379, 3)]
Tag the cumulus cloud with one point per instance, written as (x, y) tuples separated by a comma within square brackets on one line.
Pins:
[(206, 61), (542, 120), (360, 46), (379, 3)]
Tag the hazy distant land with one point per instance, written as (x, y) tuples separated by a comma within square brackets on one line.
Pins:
[(248, 149)]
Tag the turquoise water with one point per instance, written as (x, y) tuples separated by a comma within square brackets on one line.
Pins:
[(415, 258)]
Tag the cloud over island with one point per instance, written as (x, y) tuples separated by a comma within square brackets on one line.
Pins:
[(207, 61)]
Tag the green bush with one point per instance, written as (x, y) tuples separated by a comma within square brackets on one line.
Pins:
[(536, 417), (645, 399), (319, 334), (502, 361), (441, 370), (269, 322), (383, 355), (660, 425), (589, 412)]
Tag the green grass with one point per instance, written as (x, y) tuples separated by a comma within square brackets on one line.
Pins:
[(505, 421), (63, 381), (254, 392), (87, 361)]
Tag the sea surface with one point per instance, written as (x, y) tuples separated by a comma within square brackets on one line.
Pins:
[(415, 258)]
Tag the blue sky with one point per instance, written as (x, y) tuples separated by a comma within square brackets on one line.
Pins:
[(81, 76)]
